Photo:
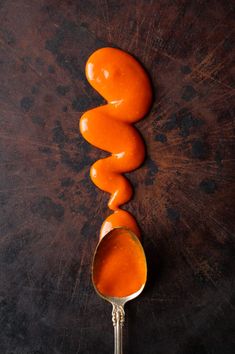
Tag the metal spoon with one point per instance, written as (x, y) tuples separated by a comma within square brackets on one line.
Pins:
[(118, 314)]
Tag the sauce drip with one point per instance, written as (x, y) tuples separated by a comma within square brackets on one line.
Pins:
[(124, 84), (119, 268)]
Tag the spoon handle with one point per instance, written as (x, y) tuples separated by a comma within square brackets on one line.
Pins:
[(118, 317)]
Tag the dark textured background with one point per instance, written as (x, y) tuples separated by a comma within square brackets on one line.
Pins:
[(50, 211)]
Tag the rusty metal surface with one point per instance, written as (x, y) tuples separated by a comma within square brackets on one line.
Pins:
[(50, 211)]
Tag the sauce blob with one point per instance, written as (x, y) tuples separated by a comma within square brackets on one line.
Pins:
[(124, 84), (119, 267)]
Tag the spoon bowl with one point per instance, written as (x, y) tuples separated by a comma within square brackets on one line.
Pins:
[(119, 274)]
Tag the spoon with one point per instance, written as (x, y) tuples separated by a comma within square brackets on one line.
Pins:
[(119, 274)]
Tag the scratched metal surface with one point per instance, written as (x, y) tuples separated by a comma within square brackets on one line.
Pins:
[(50, 211)]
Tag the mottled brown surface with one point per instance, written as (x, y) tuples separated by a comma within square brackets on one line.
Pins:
[(50, 211)]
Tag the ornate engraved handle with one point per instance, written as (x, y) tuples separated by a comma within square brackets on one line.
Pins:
[(118, 317)]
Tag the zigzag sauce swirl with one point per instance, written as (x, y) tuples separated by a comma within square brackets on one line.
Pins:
[(122, 81)]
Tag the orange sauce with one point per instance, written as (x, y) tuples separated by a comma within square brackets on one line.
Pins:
[(120, 267), (124, 84)]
